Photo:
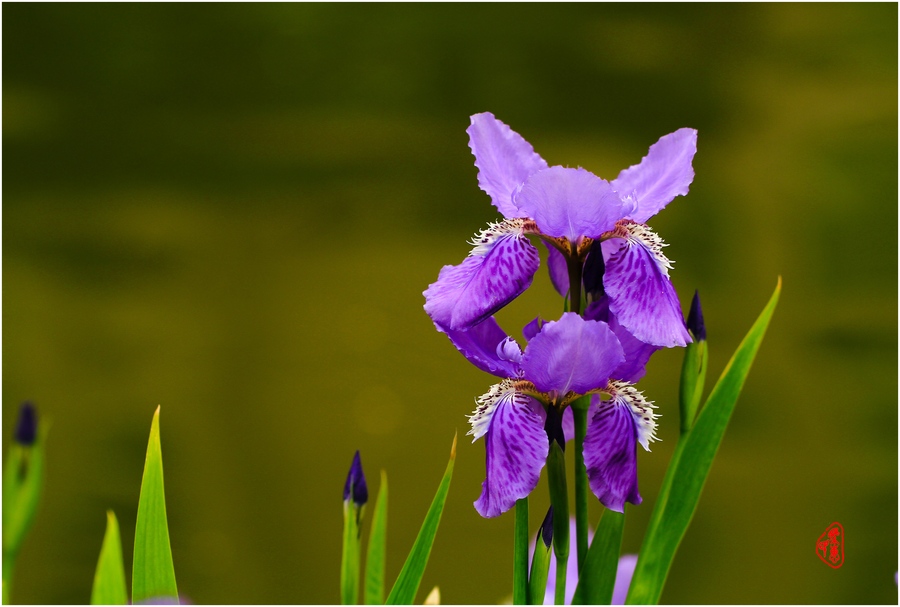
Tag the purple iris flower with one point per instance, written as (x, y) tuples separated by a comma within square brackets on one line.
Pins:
[(562, 361), (570, 210)]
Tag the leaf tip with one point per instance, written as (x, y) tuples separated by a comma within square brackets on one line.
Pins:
[(453, 448)]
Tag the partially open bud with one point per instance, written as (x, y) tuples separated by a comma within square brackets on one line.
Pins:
[(355, 487), (26, 425), (693, 370), (695, 322), (540, 563)]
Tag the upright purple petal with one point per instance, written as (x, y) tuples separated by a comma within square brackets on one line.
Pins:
[(571, 203), (664, 173), (559, 271), (484, 282), (610, 454), (637, 353), (624, 573), (516, 449), (642, 296), (504, 160), (484, 345), (572, 354)]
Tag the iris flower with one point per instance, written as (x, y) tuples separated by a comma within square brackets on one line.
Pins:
[(520, 416), (570, 210)]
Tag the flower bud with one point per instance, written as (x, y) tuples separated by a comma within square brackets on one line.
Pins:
[(355, 487), (26, 425)]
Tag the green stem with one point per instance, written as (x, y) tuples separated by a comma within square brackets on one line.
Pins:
[(579, 410), (520, 555), (560, 597), (575, 267), (9, 561), (559, 498)]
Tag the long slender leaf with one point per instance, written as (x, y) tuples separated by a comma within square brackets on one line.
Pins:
[(109, 579), (407, 584), (598, 576), (692, 467), (377, 549), (520, 553), (153, 573)]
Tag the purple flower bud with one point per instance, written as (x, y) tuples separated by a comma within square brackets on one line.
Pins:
[(695, 322), (546, 530), (553, 427), (355, 486), (26, 425)]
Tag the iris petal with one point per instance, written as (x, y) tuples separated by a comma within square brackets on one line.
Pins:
[(664, 173), (488, 279), (610, 454), (516, 449), (504, 160), (571, 354), (480, 347), (637, 353)]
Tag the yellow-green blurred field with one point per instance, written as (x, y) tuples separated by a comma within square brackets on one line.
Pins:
[(232, 211)]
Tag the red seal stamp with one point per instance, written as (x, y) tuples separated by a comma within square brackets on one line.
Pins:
[(830, 546)]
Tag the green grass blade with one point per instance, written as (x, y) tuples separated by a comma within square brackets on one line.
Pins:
[(153, 573), (692, 467), (598, 576), (109, 579), (377, 549), (407, 584)]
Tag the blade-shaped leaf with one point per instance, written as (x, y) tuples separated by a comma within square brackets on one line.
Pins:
[(598, 576), (377, 549), (407, 584), (520, 553), (109, 579), (691, 468), (153, 573)]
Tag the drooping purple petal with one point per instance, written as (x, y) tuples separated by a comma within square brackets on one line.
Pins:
[(484, 282), (485, 345), (637, 353), (572, 354), (559, 272), (664, 173), (516, 449), (571, 203), (504, 160), (624, 573), (610, 454), (642, 296)]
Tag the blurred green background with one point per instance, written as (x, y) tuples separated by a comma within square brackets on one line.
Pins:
[(233, 210)]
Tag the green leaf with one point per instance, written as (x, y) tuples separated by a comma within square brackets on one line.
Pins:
[(407, 584), (540, 567), (350, 555), (690, 466), (598, 576), (109, 579), (23, 481), (153, 573), (377, 549), (693, 379), (520, 553)]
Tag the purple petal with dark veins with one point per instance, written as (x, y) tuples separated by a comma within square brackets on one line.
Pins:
[(559, 272), (480, 347), (610, 454), (664, 173), (637, 353), (642, 297), (572, 354), (571, 203), (504, 160), (466, 294), (516, 449)]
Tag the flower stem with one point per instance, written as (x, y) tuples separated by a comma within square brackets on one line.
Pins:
[(559, 498), (8, 563), (520, 554), (574, 266), (560, 597), (580, 410)]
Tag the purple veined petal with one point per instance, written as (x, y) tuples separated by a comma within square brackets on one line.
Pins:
[(487, 347), (637, 353), (571, 354), (504, 160), (610, 454), (515, 445), (571, 203), (640, 293), (664, 173), (559, 271), (624, 573), (498, 270)]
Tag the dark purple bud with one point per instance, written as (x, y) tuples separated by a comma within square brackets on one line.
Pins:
[(355, 486), (553, 427), (26, 425), (546, 531), (592, 275), (695, 322)]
